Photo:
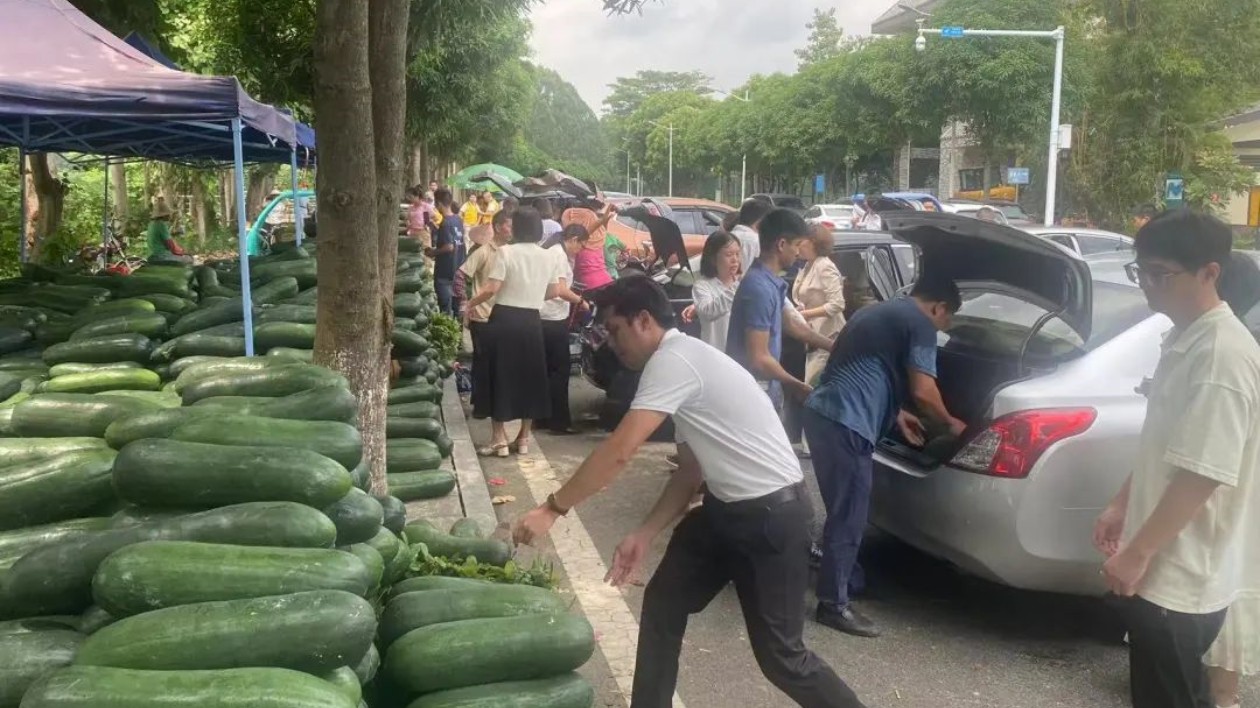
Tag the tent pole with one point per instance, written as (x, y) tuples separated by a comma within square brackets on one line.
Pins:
[(297, 202), (104, 258), (22, 232), (247, 299)]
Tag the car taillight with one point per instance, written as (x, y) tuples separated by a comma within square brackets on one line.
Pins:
[(830, 226), (1012, 444)]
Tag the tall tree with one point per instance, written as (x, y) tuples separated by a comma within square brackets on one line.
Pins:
[(629, 92), (826, 38)]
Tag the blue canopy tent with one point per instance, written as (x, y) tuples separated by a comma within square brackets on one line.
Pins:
[(303, 133), (68, 85)]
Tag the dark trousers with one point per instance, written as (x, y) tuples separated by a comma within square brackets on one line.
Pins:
[(1166, 655), (842, 464), (445, 291), (559, 366), (793, 361), (762, 546)]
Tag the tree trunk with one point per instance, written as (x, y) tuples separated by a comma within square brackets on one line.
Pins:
[(415, 167), (118, 185), (350, 323), (387, 57), (202, 209), (227, 197), (261, 180), (50, 194)]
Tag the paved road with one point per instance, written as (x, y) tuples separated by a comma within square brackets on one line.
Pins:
[(951, 641)]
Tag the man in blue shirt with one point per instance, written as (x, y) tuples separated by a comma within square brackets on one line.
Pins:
[(447, 252), (883, 358), (755, 338)]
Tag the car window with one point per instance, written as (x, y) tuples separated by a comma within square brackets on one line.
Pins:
[(1000, 323), (1062, 240), (631, 222), (854, 267), (813, 212), (908, 260), (1013, 211), (1100, 244), (840, 212), (689, 221), (712, 220)]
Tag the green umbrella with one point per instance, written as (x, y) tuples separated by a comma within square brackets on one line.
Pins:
[(463, 178)]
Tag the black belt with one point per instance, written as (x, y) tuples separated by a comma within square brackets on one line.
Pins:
[(786, 495)]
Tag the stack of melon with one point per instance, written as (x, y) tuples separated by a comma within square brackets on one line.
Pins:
[(465, 643)]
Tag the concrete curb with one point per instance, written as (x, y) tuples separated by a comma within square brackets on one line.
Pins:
[(471, 497)]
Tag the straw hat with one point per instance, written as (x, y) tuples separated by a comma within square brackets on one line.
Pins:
[(160, 209)]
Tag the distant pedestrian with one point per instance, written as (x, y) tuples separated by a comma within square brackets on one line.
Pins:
[(757, 316), (555, 315), (590, 267), (1177, 536), (524, 276), (418, 216), (475, 273), (713, 295), (551, 227), (751, 212), (818, 291), (883, 359), (447, 253), (752, 530), (1142, 216)]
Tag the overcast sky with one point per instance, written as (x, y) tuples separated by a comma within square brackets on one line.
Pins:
[(729, 40)]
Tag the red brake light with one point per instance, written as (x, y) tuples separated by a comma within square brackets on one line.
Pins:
[(1012, 444), (828, 225)]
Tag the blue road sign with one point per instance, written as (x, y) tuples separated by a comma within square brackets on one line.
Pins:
[(953, 32), (1018, 175), (820, 184), (1174, 190)]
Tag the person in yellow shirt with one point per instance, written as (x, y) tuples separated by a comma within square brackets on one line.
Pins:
[(471, 212)]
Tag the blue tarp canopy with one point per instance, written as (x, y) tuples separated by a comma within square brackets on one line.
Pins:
[(68, 85), (305, 133)]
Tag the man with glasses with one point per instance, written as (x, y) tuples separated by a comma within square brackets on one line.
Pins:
[(1175, 534)]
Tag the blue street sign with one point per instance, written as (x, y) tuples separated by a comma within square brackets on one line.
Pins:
[(1018, 175), (953, 32), (820, 184), (1174, 190)]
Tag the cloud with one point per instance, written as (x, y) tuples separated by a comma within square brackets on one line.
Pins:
[(730, 40)]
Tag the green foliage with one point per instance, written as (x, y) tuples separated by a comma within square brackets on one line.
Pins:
[(539, 574), (446, 336), (826, 38), (630, 92), (10, 212)]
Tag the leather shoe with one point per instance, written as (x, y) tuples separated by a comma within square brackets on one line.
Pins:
[(846, 619)]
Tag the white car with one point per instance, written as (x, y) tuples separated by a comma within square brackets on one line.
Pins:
[(1043, 362), (1086, 242), (837, 217)]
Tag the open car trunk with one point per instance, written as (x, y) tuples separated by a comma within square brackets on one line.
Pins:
[(1027, 308)]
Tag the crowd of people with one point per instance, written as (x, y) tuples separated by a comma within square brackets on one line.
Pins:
[(1177, 545)]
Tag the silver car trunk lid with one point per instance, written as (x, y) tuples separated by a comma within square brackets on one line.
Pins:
[(972, 251)]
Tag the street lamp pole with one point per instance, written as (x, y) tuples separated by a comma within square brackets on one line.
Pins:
[(670, 127), (743, 170), (1058, 34)]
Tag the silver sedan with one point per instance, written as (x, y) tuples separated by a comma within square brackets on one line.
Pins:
[(1055, 411)]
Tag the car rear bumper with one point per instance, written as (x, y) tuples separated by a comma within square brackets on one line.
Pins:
[(1000, 529)]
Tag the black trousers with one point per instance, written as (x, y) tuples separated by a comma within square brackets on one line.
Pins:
[(1166, 655), (556, 344), (763, 547)]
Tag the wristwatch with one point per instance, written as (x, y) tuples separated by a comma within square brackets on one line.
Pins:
[(555, 507)]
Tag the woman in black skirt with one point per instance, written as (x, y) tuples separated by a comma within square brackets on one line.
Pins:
[(524, 276), (475, 271)]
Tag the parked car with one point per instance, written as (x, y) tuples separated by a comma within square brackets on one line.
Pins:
[(1086, 242), (1043, 362), (875, 266), (782, 201), (1014, 213), (696, 218), (837, 217)]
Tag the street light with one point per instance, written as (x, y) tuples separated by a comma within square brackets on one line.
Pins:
[(670, 126), (1058, 35), (743, 172), (626, 150)]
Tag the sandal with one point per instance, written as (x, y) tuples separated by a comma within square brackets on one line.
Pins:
[(518, 447), (493, 450)]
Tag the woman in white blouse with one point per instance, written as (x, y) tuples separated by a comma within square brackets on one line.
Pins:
[(819, 293), (524, 276), (714, 293)]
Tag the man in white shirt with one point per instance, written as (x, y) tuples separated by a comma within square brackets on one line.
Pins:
[(753, 528), (751, 212), (1174, 536)]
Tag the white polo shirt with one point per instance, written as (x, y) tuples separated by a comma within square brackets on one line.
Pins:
[(1202, 416), (526, 269), (722, 414)]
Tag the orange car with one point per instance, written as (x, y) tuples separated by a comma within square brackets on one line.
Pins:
[(696, 218)]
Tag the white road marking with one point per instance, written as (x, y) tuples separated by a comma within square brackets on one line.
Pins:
[(615, 626)]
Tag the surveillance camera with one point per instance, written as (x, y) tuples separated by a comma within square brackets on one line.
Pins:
[(920, 43)]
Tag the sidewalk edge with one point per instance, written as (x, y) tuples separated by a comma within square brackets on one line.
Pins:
[(474, 490)]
